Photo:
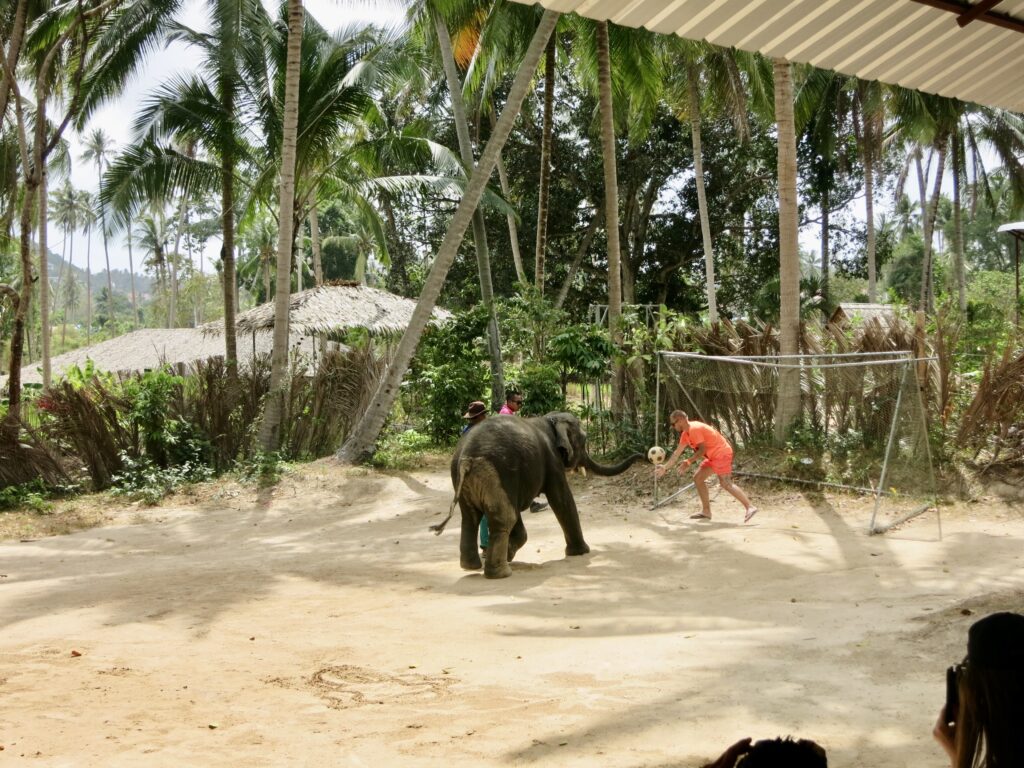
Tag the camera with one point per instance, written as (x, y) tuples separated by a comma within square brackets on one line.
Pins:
[(952, 693)]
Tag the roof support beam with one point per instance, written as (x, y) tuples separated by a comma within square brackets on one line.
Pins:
[(966, 10), (983, 7)]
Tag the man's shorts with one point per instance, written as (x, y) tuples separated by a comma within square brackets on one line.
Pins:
[(720, 465)]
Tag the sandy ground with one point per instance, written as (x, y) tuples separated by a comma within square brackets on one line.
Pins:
[(321, 623)]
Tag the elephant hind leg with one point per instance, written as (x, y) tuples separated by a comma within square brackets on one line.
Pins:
[(516, 537), (469, 555), (500, 550)]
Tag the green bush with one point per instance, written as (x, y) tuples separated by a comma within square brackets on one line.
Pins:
[(262, 467), (33, 495), (141, 480), (450, 372), (399, 450), (540, 386)]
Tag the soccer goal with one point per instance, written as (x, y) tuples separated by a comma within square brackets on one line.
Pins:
[(856, 421)]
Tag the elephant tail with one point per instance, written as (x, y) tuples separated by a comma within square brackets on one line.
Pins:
[(464, 467)]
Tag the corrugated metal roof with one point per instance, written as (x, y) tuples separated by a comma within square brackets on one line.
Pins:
[(901, 42)]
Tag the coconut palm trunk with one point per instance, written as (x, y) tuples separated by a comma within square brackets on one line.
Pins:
[(360, 442), (544, 192), (693, 92), (958, 226), (314, 240), (270, 430), (927, 299), (483, 258), (611, 207), (131, 270), (788, 406), (227, 196), (44, 278), (864, 127), (513, 229), (88, 282)]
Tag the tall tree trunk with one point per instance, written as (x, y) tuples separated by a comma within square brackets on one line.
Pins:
[(88, 284), (300, 256), (106, 248), (958, 227), (360, 442), (864, 126), (588, 238), (314, 239), (543, 193), (21, 301), (270, 430), (172, 309), (693, 92), (826, 261), (227, 194), (927, 286), (483, 259), (131, 271), (788, 407), (611, 207), (44, 277), (71, 279), (398, 276), (13, 52), (513, 229)]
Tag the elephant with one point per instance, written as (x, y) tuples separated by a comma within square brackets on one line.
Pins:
[(501, 465)]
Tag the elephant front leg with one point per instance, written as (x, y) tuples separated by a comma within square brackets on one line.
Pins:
[(469, 555), (564, 507)]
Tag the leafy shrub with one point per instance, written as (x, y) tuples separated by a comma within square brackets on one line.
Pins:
[(141, 480), (33, 495), (263, 468), (399, 450), (449, 373), (540, 386)]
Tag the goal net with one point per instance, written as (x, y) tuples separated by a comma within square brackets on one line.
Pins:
[(855, 421)]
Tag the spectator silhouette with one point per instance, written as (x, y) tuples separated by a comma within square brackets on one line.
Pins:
[(772, 753), (981, 724)]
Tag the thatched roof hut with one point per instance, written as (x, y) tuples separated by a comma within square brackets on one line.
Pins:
[(330, 310), (145, 349)]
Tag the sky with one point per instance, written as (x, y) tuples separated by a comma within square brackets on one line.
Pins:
[(116, 118)]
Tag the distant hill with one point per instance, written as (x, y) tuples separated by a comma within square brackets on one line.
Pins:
[(120, 278)]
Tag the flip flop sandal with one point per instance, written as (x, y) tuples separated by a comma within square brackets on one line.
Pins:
[(750, 514), (700, 516)]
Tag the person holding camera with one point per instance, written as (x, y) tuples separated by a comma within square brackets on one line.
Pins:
[(980, 725)]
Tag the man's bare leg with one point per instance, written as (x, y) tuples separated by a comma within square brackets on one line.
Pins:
[(726, 482), (700, 480)]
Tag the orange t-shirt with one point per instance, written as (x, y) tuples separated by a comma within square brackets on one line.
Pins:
[(716, 446)]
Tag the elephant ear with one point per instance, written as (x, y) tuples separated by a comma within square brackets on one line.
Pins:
[(563, 441)]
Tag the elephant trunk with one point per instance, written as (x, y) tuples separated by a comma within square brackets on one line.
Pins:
[(605, 470)]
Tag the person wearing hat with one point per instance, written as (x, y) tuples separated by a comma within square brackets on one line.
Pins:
[(980, 724), (475, 413)]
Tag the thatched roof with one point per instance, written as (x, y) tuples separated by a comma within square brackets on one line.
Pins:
[(333, 309), (846, 311), (149, 348)]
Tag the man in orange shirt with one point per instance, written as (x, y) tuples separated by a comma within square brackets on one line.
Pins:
[(707, 444)]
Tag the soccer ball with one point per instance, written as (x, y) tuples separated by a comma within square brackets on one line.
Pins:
[(656, 455)]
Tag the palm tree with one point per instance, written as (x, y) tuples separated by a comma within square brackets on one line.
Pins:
[(63, 204), (361, 440), (271, 427), (479, 226), (723, 84), (98, 147), (547, 135), (86, 220), (868, 121), (788, 408), (611, 202)]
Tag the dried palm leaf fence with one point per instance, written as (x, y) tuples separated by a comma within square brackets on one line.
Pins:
[(992, 426), (94, 426), (861, 425)]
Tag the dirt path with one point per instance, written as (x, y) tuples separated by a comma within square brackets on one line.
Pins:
[(322, 624)]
